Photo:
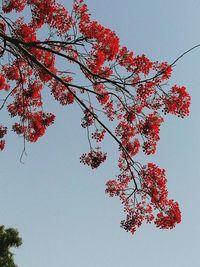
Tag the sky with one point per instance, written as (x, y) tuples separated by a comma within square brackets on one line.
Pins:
[(59, 206)]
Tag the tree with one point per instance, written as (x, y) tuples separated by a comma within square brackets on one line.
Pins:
[(121, 95), (8, 238)]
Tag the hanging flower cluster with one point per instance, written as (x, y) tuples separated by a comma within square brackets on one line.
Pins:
[(94, 158)]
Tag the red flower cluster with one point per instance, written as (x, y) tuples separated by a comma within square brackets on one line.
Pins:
[(98, 135), (142, 211), (153, 185), (170, 217), (94, 158), (3, 132), (88, 119), (3, 83), (105, 43), (10, 5), (113, 188), (133, 147), (51, 13), (11, 72), (113, 85), (34, 91), (126, 59), (164, 70), (27, 33), (142, 64), (61, 92), (144, 91), (126, 131), (150, 129), (2, 144), (178, 101), (36, 125)]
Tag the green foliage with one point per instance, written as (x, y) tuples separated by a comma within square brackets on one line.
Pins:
[(9, 238)]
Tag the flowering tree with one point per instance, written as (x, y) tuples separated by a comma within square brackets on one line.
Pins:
[(121, 96)]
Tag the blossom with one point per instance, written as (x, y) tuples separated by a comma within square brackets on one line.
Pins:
[(2, 144), (94, 158), (178, 101), (170, 217), (119, 93)]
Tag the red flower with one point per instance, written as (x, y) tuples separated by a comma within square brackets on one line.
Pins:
[(2, 144), (94, 158)]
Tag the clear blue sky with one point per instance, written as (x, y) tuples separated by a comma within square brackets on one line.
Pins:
[(59, 206)]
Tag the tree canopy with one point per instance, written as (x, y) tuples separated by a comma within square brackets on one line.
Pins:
[(9, 238), (121, 95)]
